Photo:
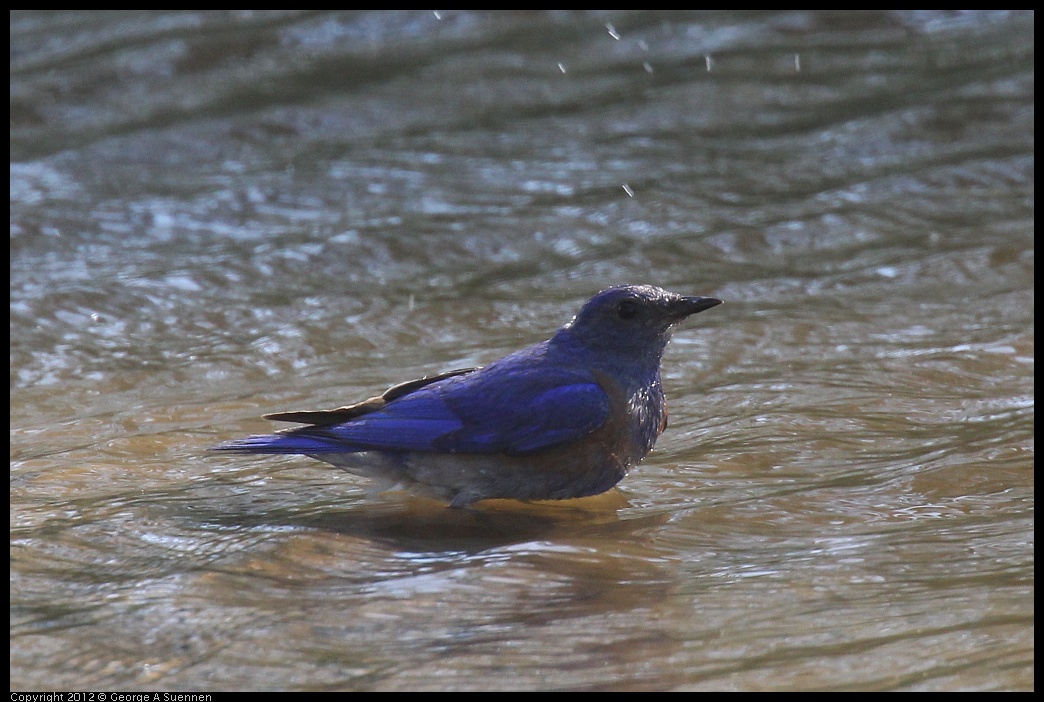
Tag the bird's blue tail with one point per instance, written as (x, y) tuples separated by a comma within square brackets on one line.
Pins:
[(289, 443)]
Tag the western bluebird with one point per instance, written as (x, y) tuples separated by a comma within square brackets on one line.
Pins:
[(565, 418)]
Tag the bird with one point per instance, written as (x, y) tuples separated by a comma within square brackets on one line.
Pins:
[(565, 418)]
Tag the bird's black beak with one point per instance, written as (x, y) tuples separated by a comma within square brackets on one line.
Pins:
[(685, 306)]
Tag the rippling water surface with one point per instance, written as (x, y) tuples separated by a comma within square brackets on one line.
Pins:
[(216, 215)]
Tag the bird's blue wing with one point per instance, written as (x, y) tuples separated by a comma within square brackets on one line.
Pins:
[(502, 412), (410, 424), (520, 414), (512, 412)]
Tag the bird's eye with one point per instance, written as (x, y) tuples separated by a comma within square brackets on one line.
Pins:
[(627, 309)]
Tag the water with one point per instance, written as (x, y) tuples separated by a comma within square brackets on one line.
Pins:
[(216, 215)]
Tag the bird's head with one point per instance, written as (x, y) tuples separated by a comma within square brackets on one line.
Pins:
[(633, 321)]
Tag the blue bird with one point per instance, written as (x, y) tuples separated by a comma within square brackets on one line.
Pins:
[(565, 418)]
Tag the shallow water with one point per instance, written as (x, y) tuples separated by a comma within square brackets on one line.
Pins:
[(216, 215)]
